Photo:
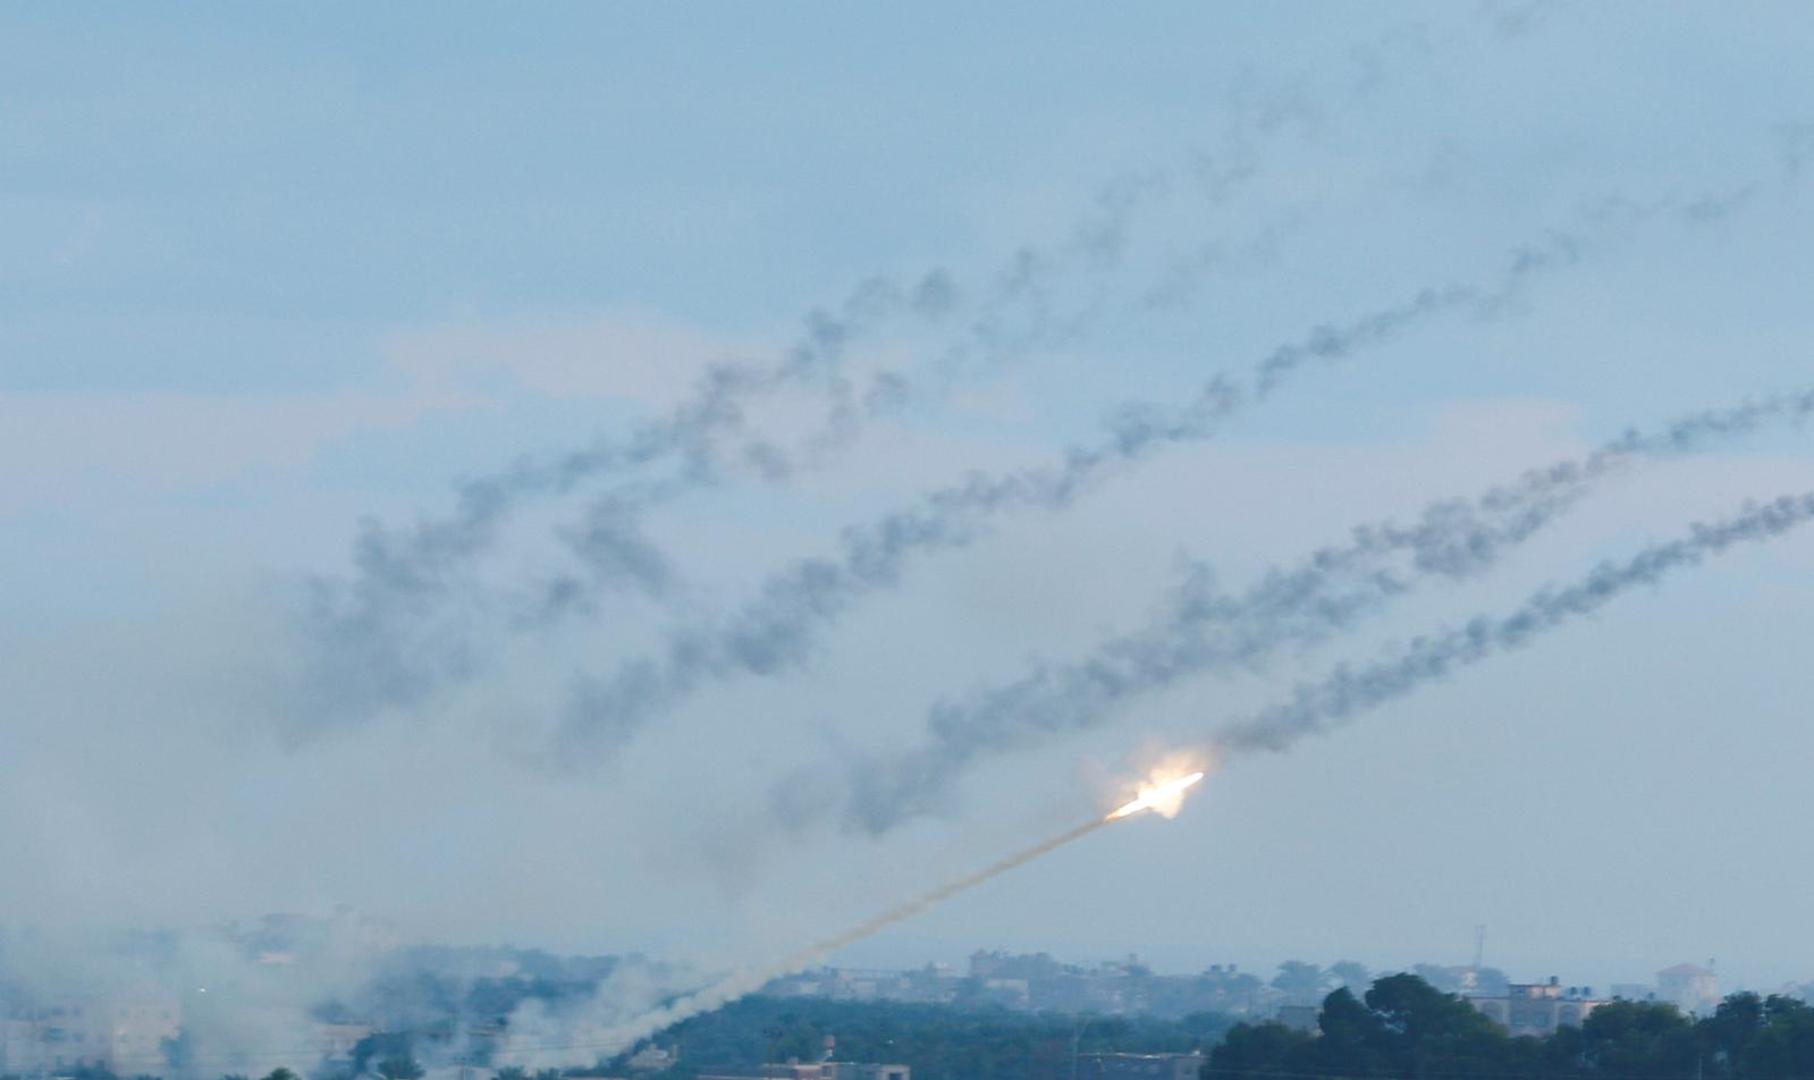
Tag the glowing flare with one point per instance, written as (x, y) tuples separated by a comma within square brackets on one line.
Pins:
[(1165, 796)]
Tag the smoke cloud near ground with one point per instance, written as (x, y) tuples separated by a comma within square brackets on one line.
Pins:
[(193, 1002)]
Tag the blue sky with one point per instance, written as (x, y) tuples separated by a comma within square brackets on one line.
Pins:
[(272, 271)]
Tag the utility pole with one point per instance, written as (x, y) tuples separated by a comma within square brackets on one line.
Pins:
[(1479, 946)]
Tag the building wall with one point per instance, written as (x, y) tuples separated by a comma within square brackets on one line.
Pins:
[(1691, 988), (1536, 1008)]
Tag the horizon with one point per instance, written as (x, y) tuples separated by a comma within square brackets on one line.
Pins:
[(691, 480)]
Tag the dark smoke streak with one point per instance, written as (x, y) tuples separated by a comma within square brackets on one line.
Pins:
[(400, 627), (777, 629), (1321, 706), (403, 625), (1199, 631)]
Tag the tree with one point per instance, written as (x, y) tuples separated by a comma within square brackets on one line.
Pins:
[(1404, 1027), (1784, 1044), (1732, 1027), (1261, 1050), (1354, 1037), (1641, 1038), (1414, 1009)]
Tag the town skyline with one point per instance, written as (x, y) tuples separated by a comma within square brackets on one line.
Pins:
[(701, 489)]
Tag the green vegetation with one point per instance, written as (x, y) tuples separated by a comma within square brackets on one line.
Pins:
[(939, 1042), (1401, 1027), (1404, 1027)]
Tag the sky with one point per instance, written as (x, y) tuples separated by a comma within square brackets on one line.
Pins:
[(289, 293)]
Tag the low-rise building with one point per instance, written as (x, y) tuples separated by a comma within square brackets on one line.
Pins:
[(123, 1036), (1538, 1008), (1690, 988)]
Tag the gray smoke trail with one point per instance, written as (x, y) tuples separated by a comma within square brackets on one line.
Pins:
[(764, 637), (387, 636), (1317, 707), (777, 629), (402, 625), (1199, 631), (397, 628)]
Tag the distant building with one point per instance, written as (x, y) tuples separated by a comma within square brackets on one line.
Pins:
[(1689, 987), (1139, 1066), (1035, 982), (1538, 1008), (933, 984), (1008, 993), (986, 964), (125, 1036), (20, 1046)]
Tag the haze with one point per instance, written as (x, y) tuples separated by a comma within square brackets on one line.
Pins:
[(312, 598)]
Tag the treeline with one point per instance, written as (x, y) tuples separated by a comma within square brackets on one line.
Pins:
[(939, 1042), (1404, 1027)]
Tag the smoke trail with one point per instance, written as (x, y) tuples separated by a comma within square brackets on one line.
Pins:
[(1198, 631), (742, 983), (400, 627), (777, 628), (400, 575), (397, 628), (1318, 707)]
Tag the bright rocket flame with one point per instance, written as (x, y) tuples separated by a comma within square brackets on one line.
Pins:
[(1164, 796)]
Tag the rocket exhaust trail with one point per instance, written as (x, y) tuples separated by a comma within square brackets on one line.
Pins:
[(1161, 796), (913, 907)]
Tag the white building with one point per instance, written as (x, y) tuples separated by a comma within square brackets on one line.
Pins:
[(1538, 1008), (1690, 988)]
